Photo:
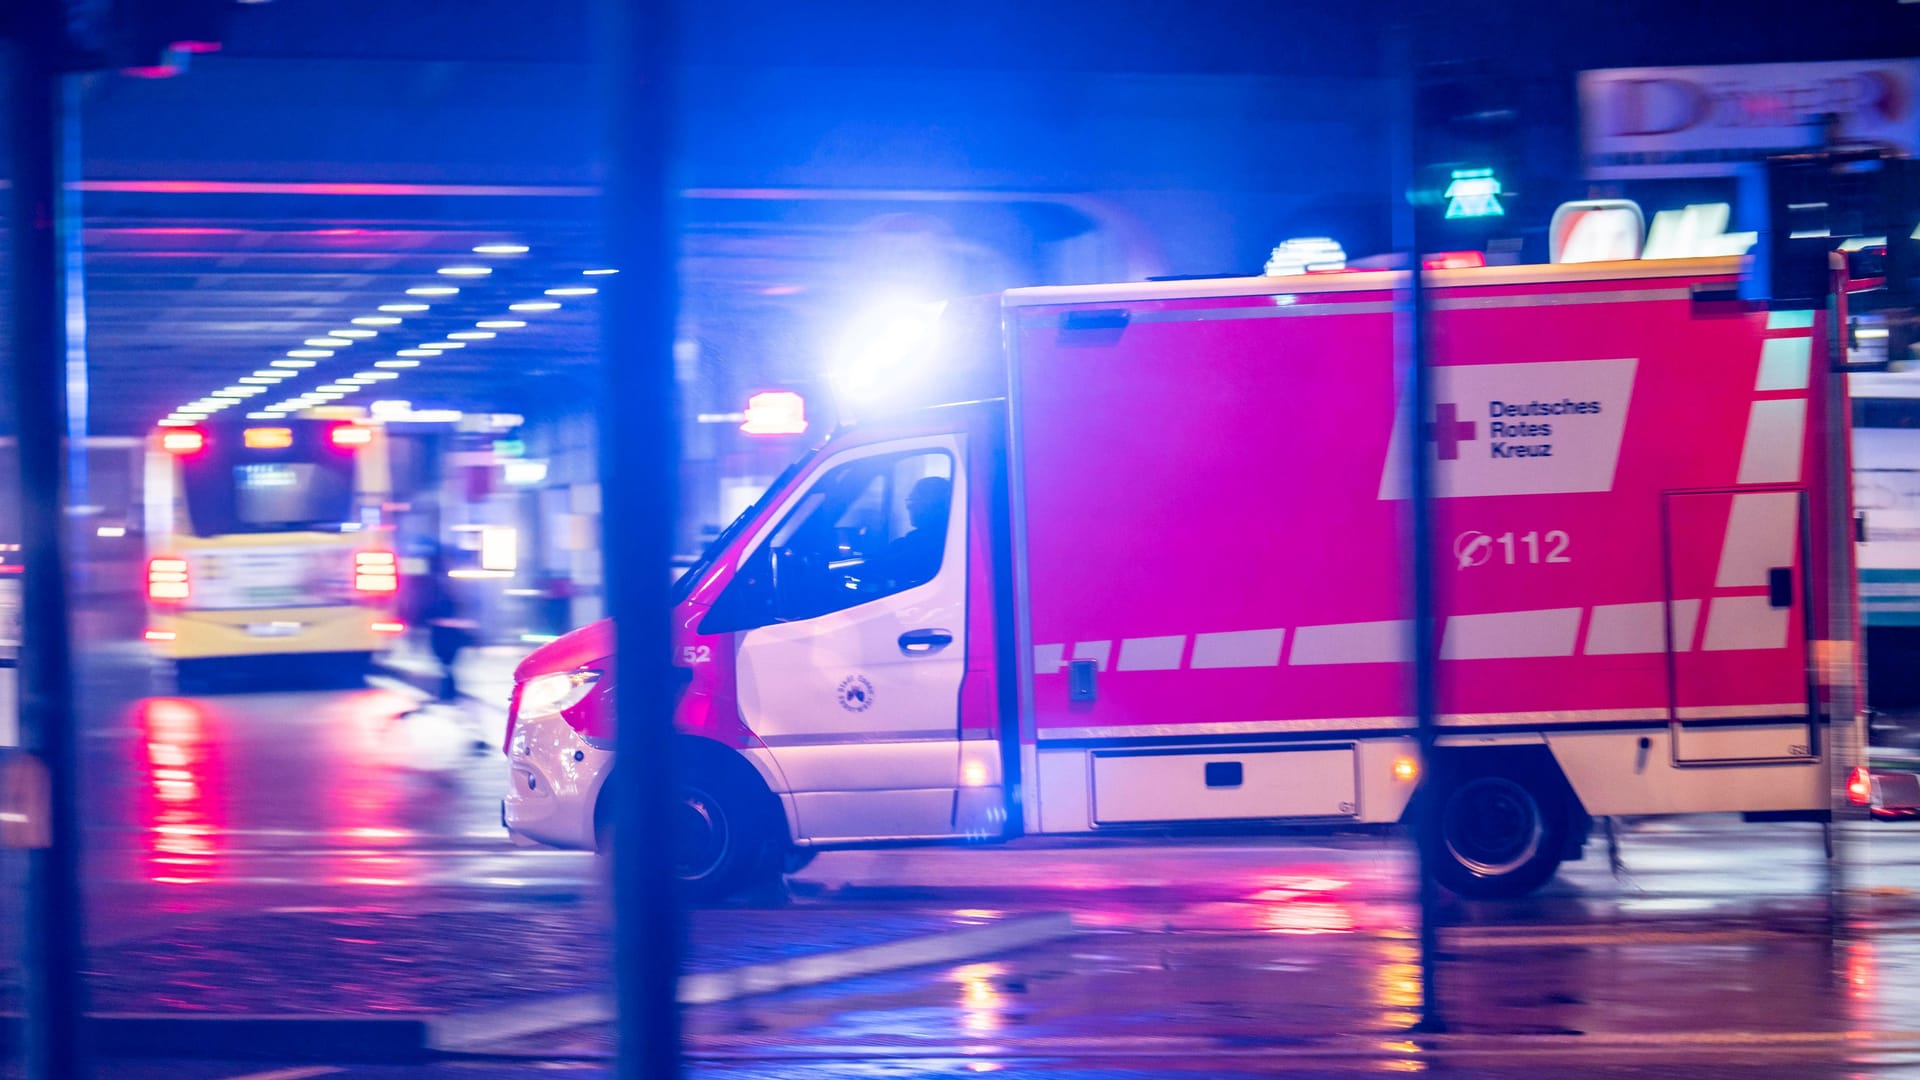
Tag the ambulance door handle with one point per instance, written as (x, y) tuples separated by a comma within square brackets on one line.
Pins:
[(922, 642), (1780, 587)]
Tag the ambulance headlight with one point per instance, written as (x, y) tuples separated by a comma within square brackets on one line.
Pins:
[(885, 347), (545, 695)]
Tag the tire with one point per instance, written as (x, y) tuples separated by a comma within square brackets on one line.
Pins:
[(1497, 829), (727, 839)]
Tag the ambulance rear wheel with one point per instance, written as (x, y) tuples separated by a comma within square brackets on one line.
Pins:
[(1496, 830)]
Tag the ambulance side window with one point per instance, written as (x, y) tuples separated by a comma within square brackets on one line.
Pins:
[(866, 529)]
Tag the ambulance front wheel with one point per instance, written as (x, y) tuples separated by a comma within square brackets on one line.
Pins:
[(1496, 828), (724, 824)]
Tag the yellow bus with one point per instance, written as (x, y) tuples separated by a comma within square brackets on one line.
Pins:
[(270, 540)]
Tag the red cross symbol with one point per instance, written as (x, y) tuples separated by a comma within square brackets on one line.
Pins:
[(1449, 431)]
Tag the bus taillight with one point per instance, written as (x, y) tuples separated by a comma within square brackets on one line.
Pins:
[(184, 441), (349, 436), (167, 580), (376, 572)]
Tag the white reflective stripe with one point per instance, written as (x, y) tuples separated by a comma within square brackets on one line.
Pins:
[(1686, 616), (1775, 430), (1508, 634), (1238, 648), (1761, 531), (1620, 629), (1048, 659), (1352, 643), (1744, 622), (1617, 629), (1784, 362), (1789, 320), (1739, 712), (1151, 653), (1561, 716), (1096, 651)]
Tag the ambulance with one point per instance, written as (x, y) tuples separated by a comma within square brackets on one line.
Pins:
[(1125, 561)]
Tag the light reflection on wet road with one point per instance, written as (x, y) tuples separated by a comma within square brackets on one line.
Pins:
[(1709, 953)]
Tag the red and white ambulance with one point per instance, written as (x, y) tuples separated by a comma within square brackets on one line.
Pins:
[(1154, 580)]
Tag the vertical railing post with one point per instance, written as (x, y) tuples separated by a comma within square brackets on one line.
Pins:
[(40, 236), (1416, 398), (639, 458)]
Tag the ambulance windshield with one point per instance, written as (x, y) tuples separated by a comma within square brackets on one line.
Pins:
[(683, 585)]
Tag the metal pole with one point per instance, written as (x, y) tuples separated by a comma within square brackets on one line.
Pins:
[(1416, 405), (1838, 660), (639, 463), (38, 238)]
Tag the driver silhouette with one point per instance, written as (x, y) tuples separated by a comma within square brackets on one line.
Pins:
[(915, 558)]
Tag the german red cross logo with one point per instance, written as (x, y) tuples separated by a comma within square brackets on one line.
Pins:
[(1448, 431)]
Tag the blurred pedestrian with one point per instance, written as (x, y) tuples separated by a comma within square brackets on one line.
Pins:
[(449, 629), (438, 606)]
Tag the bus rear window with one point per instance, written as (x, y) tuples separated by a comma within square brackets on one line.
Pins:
[(235, 490), (278, 494)]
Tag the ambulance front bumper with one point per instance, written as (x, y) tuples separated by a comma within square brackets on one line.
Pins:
[(554, 779)]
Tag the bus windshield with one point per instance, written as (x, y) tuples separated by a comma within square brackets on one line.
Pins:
[(304, 486)]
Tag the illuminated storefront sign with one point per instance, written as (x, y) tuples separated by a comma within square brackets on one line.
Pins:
[(1708, 121)]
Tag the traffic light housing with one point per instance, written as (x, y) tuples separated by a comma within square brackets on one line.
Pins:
[(1902, 223), (1805, 206), (1466, 140)]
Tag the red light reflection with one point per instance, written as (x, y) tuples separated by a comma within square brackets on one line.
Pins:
[(368, 805), (179, 809)]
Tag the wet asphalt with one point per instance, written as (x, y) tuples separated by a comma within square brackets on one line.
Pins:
[(1714, 949)]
